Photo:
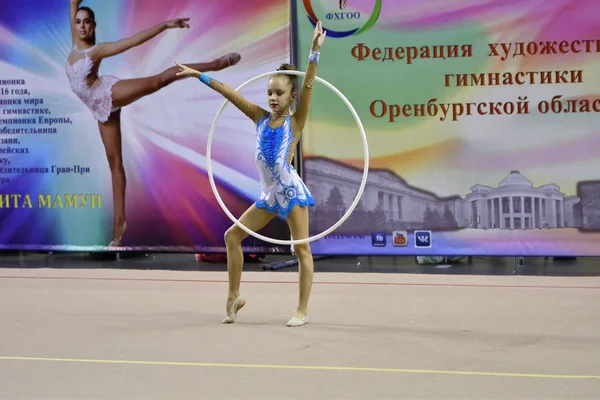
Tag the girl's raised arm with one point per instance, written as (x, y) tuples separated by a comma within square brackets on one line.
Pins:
[(74, 5), (301, 114)]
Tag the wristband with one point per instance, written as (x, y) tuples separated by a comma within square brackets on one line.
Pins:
[(204, 78), (313, 56)]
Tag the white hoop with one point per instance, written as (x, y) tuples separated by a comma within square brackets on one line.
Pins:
[(360, 189)]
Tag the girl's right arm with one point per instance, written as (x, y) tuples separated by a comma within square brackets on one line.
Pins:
[(74, 5), (251, 110)]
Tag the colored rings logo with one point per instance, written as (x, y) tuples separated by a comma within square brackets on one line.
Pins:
[(344, 16)]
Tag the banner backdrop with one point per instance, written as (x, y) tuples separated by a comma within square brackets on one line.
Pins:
[(482, 122), (55, 181)]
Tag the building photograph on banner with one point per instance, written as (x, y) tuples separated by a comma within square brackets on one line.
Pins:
[(103, 145), (481, 121)]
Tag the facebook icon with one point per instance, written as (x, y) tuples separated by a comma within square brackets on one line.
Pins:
[(378, 239), (422, 239)]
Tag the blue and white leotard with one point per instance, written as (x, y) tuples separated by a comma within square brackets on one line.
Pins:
[(281, 186)]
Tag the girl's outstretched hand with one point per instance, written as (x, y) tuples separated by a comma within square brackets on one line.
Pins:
[(187, 71), (318, 37), (178, 23)]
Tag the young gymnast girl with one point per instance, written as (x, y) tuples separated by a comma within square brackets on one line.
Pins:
[(283, 191), (106, 95)]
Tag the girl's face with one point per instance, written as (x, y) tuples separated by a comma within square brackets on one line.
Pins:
[(279, 93), (85, 24)]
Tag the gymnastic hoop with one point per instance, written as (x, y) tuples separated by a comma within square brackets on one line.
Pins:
[(360, 189)]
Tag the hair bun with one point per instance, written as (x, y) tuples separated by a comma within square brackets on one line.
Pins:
[(286, 67)]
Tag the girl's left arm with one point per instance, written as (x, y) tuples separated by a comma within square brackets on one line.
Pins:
[(301, 114)]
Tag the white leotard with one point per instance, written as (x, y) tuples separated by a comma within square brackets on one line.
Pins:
[(98, 96)]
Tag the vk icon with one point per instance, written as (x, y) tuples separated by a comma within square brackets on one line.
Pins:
[(378, 239), (422, 239)]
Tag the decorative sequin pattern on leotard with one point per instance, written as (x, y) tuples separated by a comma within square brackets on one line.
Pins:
[(98, 96), (281, 186)]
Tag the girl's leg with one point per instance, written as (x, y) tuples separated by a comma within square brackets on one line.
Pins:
[(127, 91), (254, 218), (110, 132), (298, 223)]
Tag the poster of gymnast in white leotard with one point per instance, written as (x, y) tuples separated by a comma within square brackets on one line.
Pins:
[(105, 96)]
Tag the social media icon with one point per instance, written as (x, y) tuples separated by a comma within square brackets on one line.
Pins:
[(400, 238), (378, 239), (423, 239)]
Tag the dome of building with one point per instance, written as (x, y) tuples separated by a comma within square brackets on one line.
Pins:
[(515, 179)]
